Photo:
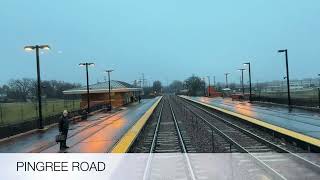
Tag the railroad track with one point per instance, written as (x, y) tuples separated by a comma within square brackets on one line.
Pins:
[(168, 138), (279, 162)]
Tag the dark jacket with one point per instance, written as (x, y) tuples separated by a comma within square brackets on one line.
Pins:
[(64, 125)]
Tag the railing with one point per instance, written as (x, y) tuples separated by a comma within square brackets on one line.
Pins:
[(7, 130), (308, 102)]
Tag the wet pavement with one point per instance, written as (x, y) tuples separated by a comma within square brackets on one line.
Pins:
[(298, 120), (97, 134)]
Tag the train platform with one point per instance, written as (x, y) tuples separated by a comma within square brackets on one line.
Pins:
[(300, 124), (98, 134)]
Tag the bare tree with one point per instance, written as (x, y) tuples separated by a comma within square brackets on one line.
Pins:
[(176, 86), (195, 85), (22, 88), (25, 88), (157, 86)]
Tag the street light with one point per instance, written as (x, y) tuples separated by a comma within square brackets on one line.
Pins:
[(37, 48), (209, 85), (319, 92), (226, 74), (86, 64), (250, 87), (287, 77), (241, 69), (109, 71), (204, 86)]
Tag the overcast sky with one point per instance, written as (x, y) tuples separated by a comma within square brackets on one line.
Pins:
[(164, 39)]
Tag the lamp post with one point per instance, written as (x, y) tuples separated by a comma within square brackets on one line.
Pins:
[(204, 86), (226, 74), (242, 79), (209, 86), (37, 48), (109, 71), (86, 64), (287, 77), (319, 92), (250, 86)]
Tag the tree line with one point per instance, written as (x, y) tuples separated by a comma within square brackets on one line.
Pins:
[(26, 89), (193, 86)]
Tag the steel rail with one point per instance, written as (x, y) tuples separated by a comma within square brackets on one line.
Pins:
[(146, 174), (312, 165), (182, 144), (156, 132), (154, 140), (274, 173)]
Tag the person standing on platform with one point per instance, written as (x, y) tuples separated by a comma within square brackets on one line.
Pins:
[(63, 129)]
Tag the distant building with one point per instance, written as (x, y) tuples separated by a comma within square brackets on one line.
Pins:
[(213, 92), (295, 85), (121, 93)]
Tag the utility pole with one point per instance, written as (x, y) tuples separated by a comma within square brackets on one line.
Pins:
[(204, 86), (209, 86), (226, 74), (143, 80)]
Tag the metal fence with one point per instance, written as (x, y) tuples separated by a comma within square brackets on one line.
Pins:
[(309, 98), (13, 125), (17, 112)]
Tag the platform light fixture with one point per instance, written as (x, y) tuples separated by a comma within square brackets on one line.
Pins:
[(288, 79), (319, 92), (86, 64), (242, 69), (250, 85), (109, 71), (37, 48)]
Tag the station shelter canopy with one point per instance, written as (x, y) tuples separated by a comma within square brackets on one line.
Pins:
[(122, 93)]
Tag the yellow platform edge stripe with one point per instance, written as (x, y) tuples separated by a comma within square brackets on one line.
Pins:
[(123, 145), (293, 134)]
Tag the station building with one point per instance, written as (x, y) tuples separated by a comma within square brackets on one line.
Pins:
[(122, 93)]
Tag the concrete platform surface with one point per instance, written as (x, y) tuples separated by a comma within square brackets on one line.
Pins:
[(96, 135), (297, 120)]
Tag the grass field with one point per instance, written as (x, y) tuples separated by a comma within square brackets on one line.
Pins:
[(11, 113)]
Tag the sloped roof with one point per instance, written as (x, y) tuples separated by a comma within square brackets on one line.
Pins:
[(103, 87)]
